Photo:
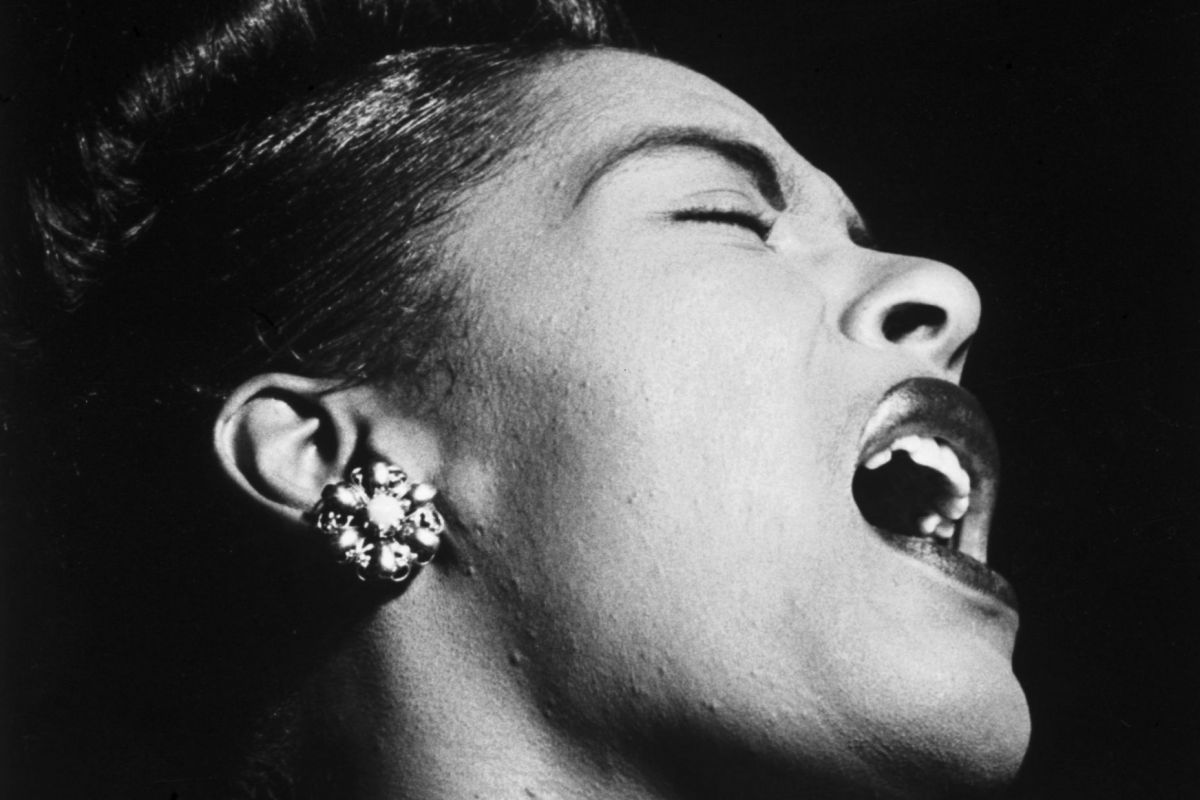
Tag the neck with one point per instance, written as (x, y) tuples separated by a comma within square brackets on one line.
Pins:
[(423, 702)]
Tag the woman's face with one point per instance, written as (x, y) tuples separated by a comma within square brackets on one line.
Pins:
[(676, 351)]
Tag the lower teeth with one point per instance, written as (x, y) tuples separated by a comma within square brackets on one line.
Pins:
[(934, 524)]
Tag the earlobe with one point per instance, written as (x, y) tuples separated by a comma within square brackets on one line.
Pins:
[(282, 438)]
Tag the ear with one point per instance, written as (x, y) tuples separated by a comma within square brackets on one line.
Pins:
[(283, 437)]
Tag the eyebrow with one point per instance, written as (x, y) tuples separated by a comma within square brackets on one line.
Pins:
[(748, 158)]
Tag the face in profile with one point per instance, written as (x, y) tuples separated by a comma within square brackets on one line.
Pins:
[(681, 360)]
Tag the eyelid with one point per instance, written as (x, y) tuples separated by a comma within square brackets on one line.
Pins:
[(731, 200), (746, 207), (756, 222)]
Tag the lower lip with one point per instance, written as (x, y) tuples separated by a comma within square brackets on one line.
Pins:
[(961, 568)]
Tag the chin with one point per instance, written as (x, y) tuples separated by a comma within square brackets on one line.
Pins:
[(975, 754), (958, 729), (931, 713), (943, 746)]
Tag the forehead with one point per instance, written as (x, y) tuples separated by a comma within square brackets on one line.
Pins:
[(596, 104)]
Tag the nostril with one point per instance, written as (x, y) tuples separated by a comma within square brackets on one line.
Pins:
[(905, 319)]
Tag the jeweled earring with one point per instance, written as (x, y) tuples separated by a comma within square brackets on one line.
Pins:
[(379, 523)]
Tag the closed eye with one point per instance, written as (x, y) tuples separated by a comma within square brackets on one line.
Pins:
[(752, 222)]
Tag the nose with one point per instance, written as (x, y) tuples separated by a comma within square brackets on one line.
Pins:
[(917, 308)]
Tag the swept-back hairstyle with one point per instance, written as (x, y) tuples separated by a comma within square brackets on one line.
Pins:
[(269, 197), (281, 163)]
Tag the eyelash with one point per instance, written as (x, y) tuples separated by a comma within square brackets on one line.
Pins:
[(757, 224)]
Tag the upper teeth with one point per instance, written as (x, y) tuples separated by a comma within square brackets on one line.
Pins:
[(930, 453)]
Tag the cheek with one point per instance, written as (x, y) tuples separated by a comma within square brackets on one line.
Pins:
[(730, 352), (667, 492), (717, 407)]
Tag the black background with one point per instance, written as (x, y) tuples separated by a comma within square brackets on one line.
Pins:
[(1051, 150)]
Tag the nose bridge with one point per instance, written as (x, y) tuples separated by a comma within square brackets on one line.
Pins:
[(914, 307)]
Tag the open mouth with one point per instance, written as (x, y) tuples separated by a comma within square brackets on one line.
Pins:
[(927, 476), (915, 487)]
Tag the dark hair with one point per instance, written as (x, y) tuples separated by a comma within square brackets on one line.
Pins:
[(260, 177), (268, 198)]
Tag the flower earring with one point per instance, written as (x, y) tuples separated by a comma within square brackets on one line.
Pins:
[(379, 523)]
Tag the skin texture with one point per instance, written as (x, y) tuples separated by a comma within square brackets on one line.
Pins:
[(660, 585)]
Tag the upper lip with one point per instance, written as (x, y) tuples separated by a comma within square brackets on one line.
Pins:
[(943, 411)]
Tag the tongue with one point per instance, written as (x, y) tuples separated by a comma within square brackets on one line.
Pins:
[(901, 494)]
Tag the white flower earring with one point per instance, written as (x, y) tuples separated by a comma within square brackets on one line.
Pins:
[(379, 523)]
